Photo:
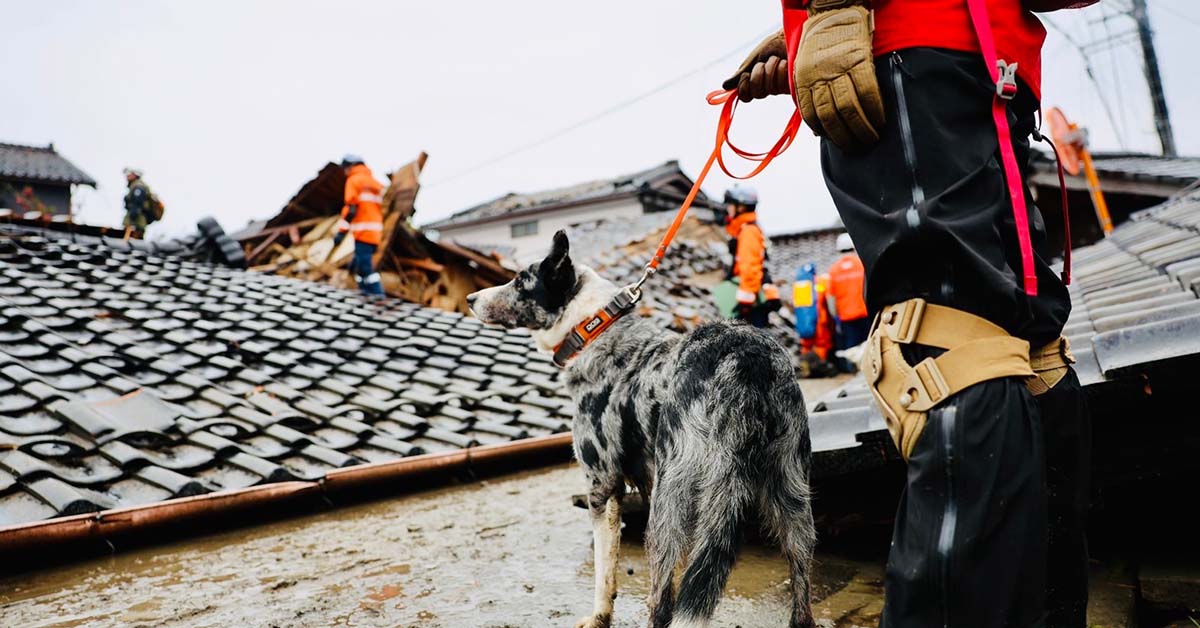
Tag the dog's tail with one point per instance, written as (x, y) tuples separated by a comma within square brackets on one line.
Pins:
[(721, 505)]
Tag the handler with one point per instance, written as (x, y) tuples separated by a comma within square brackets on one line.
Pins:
[(910, 115)]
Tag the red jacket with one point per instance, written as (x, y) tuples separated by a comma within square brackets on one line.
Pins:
[(901, 24)]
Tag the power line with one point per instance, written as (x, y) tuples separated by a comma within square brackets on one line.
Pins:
[(1116, 74), (1177, 13), (549, 137), (1087, 66)]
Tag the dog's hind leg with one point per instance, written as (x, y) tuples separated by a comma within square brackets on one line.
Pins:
[(787, 514), (720, 511)]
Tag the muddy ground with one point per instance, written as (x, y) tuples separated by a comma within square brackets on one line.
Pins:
[(510, 552)]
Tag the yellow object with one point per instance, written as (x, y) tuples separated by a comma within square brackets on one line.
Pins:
[(802, 293), (834, 77), (976, 351)]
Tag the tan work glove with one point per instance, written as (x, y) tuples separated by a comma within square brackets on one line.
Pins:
[(763, 73), (835, 81)]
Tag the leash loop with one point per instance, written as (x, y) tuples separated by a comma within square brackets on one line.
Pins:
[(727, 100)]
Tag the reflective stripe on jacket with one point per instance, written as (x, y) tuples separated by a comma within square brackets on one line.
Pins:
[(846, 287), (366, 193), (748, 258)]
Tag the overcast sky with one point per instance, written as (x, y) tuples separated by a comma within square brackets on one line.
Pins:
[(229, 107)]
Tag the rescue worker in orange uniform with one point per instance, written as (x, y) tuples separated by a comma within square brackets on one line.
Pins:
[(747, 245), (362, 216), (846, 301), (925, 109)]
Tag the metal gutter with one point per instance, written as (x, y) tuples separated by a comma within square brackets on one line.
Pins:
[(108, 524)]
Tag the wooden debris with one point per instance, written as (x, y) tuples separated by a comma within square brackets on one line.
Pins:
[(298, 242)]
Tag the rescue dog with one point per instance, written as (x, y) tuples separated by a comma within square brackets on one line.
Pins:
[(710, 426)]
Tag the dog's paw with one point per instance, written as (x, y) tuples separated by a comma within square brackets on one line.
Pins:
[(594, 621)]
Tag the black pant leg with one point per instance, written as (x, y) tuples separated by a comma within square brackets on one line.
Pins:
[(969, 546), (1067, 426)]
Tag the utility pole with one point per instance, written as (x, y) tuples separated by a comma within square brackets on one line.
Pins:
[(1162, 120)]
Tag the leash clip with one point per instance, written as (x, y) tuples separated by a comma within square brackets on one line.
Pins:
[(634, 291)]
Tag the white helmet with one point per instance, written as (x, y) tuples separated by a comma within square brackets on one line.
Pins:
[(844, 243), (742, 195)]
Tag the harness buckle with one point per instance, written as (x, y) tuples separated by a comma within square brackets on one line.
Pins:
[(1006, 79), (918, 396), (901, 321)]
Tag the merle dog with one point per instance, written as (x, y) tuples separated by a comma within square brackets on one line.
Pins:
[(710, 426)]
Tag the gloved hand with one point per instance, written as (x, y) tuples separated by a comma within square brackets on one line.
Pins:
[(772, 302), (763, 73), (834, 77), (337, 239)]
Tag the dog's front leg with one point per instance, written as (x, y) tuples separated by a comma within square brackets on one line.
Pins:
[(606, 543)]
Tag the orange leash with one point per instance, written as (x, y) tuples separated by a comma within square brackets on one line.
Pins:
[(728, 101), (623, 303)]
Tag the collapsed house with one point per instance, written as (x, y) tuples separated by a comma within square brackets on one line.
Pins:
[(298, 242)]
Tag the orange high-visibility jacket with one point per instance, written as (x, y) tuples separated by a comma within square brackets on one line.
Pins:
[(364, 191), (748, 260), (846, 288)]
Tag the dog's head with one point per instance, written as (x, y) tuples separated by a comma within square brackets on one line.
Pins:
[(536, 298)]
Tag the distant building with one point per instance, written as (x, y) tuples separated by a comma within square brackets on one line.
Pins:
[(36, 178), (1130, 182), (525, 223)]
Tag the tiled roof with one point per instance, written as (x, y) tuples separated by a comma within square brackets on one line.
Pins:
[(1135, 311), (128, 377), (39, 164), (582, 192), (790, 251), (1182, 169), (1135, 166)]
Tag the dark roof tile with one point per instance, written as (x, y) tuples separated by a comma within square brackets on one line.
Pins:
[(39, 164)]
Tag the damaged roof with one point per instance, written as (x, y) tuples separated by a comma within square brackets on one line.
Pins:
[(129, 377), (1135, 312), (39, 164), (667, 178)]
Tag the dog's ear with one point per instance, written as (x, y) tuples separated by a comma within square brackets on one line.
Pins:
[(557, 270)]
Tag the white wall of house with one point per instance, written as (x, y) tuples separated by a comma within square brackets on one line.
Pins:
[(530, 247)]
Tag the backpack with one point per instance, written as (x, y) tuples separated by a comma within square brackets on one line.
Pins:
[(156, 209)]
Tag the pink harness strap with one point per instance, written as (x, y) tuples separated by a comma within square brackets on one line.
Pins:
[(1004, 76)]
